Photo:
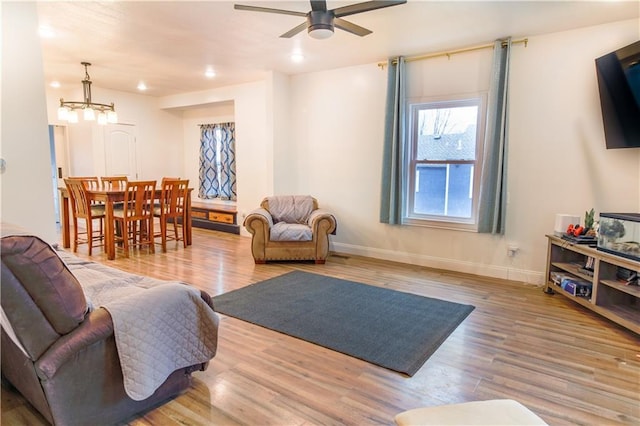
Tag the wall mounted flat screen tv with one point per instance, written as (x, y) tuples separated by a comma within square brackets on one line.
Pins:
[(619, 85)]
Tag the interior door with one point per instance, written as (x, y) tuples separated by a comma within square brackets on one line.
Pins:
[(120, 151)]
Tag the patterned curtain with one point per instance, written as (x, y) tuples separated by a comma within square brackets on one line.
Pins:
[(217, 161)]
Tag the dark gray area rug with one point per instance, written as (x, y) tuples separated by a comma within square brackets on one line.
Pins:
[(389, 328)]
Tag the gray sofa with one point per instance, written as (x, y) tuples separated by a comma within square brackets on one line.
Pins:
[(61, 349)]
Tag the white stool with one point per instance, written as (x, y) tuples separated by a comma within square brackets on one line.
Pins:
[(493, 412)]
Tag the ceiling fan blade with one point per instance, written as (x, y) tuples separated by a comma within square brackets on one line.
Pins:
[(268, 10), (295, 30), (319, 5), (365, 7), (351, 27)]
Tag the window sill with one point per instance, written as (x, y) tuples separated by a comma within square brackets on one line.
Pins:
[(441, 224)]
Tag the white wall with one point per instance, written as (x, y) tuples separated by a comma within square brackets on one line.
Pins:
[(27, 184), (285, 151), (254, 141), (221, 112), (557, 157), (321, 133), (558, 163), (159, 135)]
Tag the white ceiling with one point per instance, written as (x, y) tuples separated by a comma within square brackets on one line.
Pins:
[(169, 44)]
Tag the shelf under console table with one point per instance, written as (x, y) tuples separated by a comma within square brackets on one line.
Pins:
[(610, 296), (216, 217)]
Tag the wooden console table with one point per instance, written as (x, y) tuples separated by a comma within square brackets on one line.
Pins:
[(216, 217)]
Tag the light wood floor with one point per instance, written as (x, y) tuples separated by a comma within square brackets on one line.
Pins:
[(565, 363)]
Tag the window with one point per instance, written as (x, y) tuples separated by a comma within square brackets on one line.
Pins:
[(217, 174), (443, 162)]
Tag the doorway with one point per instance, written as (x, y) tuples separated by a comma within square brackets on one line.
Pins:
[(59, 147)]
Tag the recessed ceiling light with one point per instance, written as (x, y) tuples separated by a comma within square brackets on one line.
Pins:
[(210, 73), (46, 32), (55, 84), (142, 86)]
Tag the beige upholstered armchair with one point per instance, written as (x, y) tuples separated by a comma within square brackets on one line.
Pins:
[(290, 227)]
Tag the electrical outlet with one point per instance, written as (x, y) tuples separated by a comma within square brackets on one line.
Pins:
[(512, 249)]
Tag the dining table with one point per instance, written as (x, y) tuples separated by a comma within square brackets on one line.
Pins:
[(109, 198)]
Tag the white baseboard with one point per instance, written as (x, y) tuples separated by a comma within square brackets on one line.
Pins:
[(493, 271)]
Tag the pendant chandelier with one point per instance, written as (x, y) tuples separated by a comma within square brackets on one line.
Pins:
[(68, 110)]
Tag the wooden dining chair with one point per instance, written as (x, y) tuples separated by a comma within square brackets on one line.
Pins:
[(171, 209), (82, 208), (92, 183), (135, 219), (114, 182)]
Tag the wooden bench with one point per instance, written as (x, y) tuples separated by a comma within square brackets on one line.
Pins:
[(217, 217)]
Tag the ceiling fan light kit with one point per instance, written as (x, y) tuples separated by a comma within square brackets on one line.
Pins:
[(320, 24), (322, 21), (68, 110)]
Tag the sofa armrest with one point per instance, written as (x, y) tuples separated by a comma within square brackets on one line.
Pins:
[(207, 298), (96, 327), (259, 223), (261, 215), (322, 220)]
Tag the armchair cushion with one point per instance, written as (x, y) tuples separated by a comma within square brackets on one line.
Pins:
[(282, 231), (290, 208)]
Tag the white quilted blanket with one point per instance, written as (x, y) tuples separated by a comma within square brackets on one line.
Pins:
[(159, 326)]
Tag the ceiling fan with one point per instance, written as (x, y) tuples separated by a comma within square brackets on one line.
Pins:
[(321, 21)]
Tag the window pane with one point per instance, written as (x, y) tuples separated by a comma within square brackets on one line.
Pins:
[(447, 133), (444, 190), (459, 191), (430, 194)]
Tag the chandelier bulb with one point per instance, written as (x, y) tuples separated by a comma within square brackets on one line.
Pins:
[(73, 116), (89, 114), (63, 113)]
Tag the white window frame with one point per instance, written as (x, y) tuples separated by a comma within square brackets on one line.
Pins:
[(410, 217)]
